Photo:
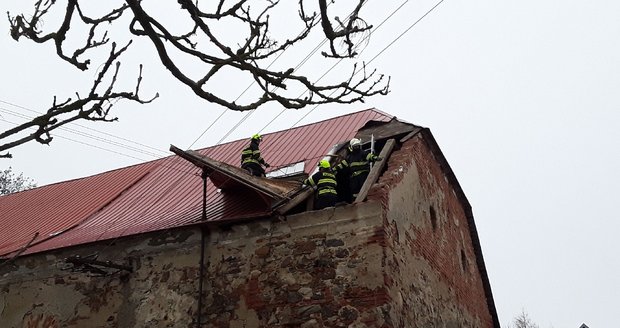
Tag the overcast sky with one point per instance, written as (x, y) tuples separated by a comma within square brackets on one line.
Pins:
[(523, 98)]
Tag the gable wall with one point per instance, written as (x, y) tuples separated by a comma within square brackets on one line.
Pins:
[(434, 280)]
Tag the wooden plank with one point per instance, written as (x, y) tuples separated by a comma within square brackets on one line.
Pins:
[(410, 135), (297, 199), (373, 175)]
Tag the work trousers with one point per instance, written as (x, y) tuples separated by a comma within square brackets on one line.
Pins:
[(356, 184), (254, 169), (325, 200)]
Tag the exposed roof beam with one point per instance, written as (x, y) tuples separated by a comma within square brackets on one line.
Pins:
[(374, 173)]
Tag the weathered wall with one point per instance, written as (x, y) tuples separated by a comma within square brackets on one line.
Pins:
[(313, 269), (316, 269), (35, 291), (431, 271), (404, 258)]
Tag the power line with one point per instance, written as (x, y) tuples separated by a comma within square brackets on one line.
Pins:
[(88, 128), (88, 135), (84, 143), (380, 52), (303, 61), (404, 32), (335, 64), (248, 88), (106, 149)]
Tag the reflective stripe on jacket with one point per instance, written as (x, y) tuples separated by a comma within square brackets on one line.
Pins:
[(325, 182), (251, 155), (358, 162)]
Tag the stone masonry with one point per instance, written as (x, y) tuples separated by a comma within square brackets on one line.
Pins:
[(404, 258)]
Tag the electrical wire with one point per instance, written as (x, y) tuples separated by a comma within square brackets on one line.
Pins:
[(84, 143), (365, 38), (87, 135), (404, 32), (94, 137), (96, 146), (303, 61), (380, 52), (88, 128)]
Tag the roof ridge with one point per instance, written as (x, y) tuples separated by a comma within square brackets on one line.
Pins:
[(372, 109)]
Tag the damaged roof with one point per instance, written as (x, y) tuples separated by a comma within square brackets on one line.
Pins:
[(164, 193)]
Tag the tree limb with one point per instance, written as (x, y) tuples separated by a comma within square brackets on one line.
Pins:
[(218, 53)]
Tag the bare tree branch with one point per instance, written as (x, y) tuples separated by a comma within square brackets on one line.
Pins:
[(94, 107), (218, 53), (354, 25)]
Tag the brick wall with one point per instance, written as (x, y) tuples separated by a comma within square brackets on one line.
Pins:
[(430, 262)]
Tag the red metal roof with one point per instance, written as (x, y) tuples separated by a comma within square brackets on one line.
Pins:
[(156, 195)]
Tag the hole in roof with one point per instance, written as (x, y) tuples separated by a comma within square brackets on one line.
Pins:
[(288, 170)]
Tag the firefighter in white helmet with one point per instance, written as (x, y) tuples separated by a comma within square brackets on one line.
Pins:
[(356, 167)]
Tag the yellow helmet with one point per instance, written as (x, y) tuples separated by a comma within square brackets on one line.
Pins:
[(324, 164), (257, 137)]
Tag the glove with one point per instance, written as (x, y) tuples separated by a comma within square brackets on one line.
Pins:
[(267, 165), (378, 158)]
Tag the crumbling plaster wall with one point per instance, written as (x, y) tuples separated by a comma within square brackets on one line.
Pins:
[(386, 262), (35, 291), (430, 263), (315, 269)]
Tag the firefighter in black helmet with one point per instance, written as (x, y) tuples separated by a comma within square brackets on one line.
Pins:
[(251, 159)]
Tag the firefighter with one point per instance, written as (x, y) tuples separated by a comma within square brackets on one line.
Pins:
[(251, 159), (356, 166), (325, 183)]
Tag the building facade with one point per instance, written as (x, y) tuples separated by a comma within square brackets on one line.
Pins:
[(406, 255)]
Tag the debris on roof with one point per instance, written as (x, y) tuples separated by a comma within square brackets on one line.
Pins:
[(230, 178), (167, 193)]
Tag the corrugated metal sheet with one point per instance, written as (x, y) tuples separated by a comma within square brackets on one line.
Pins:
[(157, 195)]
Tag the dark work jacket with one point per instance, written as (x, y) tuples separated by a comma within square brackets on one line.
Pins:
[(251, 155), (325, 182), (357, 162)]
